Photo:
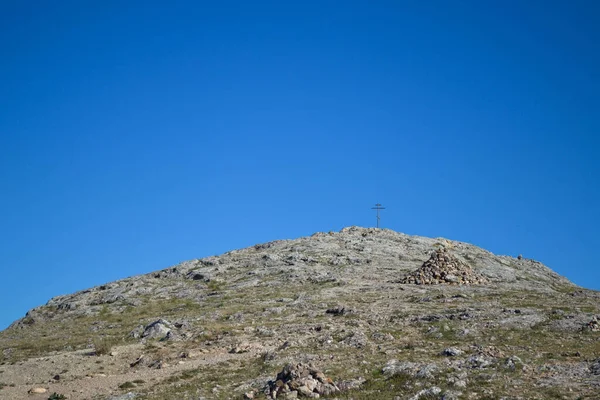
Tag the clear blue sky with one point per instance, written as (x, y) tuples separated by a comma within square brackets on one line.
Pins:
[(135, 135)]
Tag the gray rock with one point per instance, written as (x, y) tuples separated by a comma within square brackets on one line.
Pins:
[(127, 396), (480, 361), (158, 329), (337, 310), (428, 393), (451, 352), (595, 367), (357, 340), (513, 363), (414, 370)]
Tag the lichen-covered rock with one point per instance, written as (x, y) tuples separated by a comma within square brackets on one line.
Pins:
[(595, 367), (427, 393), (408, 368), (451, 352), (158, 329)]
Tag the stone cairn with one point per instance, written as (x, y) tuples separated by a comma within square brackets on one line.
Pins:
[(593, 325), (300, 380), (444, 268)]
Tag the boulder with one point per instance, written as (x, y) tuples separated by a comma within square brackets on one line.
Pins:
[(158, 329), (451, 352)]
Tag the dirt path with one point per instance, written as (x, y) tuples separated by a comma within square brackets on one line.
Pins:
[(84, 380)]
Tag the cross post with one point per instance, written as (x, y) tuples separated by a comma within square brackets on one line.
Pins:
[(378, 207)]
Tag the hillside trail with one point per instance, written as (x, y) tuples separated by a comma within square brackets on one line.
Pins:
[(80, 384)]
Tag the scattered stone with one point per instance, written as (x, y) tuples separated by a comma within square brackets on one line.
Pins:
[(37, 390), (444, 268), (458, 383), (137, 362), (157, 364), (357, 340), (383, 337), (337, 310), (427, 393), (479, 361), (408, 368), (513, 363), (137, 332), (452, 352), (188, 354), (426, 371), (126, 396), (197, 276), (353, 384), (264, 331), (451, 395), (242, 347)]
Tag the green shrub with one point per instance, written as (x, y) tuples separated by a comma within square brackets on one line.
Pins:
[(102, 346), (127, 385)]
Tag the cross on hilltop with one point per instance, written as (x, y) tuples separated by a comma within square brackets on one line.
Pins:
[(378, 207)]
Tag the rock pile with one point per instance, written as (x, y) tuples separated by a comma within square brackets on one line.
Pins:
[(593, 325), (444, 268), (300, 380)]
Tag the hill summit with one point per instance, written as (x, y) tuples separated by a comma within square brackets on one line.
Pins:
[(362, 313)]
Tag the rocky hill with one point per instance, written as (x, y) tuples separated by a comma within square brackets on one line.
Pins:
[(356, 314)]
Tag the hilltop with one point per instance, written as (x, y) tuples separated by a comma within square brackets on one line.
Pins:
[(362, 313)]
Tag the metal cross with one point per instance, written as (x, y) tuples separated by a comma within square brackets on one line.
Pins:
[(378, 207)]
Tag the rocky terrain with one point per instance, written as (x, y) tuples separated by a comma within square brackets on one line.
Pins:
[(359, 314)]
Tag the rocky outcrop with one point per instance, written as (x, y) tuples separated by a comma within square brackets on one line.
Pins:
[(160, 329), (595, 367), (444, 268)]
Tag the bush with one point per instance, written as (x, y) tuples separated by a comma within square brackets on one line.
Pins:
[(102, 346), (127, 385)]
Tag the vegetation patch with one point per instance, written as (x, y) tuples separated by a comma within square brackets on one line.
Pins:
[(103, 346)]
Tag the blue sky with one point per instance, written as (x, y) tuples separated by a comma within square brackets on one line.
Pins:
[(135, 135)]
